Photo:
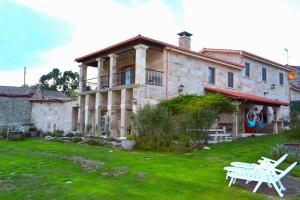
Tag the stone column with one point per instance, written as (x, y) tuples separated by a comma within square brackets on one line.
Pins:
[(100, 62), (109, 110), (98, 104), (124, 98), (87, 111), (82, 77), (112, 67), (81, 102), (236, 123), (275, 120), (140, 63)]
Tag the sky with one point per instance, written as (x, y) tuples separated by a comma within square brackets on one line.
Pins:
[(41, 35)]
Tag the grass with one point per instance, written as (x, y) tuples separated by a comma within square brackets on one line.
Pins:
[(37, 169)]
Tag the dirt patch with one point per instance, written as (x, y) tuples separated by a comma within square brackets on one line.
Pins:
[(115, 172), (291, 184), (86, 164)]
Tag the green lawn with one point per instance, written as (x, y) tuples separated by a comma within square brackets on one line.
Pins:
[(37, 169)]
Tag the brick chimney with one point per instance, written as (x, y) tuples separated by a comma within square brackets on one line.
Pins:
[(185, 40)]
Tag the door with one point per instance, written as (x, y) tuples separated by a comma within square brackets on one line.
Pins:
[(127, 75)]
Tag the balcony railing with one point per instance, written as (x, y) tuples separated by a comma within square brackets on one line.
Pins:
[(126, 77), (91, 83), (154, 77), (104, 81)]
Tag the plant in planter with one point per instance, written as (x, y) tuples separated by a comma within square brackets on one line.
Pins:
[(34, 132), (129, 142)]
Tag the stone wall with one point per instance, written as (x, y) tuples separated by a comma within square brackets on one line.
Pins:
[(192, 73), (48, 115), (295, 95), (15, 110)]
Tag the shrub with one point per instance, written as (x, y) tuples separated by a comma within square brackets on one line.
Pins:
[(292, 134), (88, 128), (3, 132), (94, 142), (32, 128), (130, 137), (279, 150), (159, 130), (181, 103), (57, 133), (154, 127), (76, 139)]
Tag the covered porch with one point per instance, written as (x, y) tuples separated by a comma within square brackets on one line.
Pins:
[(243, 122)]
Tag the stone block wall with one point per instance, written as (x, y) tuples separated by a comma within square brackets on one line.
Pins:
[(15, 110), (47, 115)]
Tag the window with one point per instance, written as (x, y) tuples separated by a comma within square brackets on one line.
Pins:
[(280, 78), (264, 74), (247, 69), (211, 75), (230, 80)]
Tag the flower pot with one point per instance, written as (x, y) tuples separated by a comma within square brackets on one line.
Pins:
[(127, 144)]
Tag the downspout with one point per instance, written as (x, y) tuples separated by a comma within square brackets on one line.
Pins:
[(167, 75)]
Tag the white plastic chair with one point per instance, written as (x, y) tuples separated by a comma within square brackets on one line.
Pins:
[(261, 176), (263, 162)]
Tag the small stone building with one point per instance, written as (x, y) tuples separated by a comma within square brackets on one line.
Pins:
[(46, 109)]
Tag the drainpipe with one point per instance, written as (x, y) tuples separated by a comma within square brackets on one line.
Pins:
[(167, 76)]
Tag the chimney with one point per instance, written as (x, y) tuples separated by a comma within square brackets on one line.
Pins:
[(185, 40)]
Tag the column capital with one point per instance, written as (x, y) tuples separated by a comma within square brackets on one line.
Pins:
[(112, 56), (101, 60), (141, 46), (82, 65)]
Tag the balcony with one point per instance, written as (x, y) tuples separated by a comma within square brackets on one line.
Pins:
[(91, 83), (126, 77), (154, 77)]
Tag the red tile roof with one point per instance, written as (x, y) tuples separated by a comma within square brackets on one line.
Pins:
[(140, 39), (243, 53), (247, 97)]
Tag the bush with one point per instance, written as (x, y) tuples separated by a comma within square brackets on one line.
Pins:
[(57, 133), (76, 139), (159, 130), (292, 134), (32, 128), (88, 128), (181, 103), (3, 132), (94, 142), (279, 150), (130, 137)]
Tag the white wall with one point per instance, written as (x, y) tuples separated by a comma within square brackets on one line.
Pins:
[(47, 115)]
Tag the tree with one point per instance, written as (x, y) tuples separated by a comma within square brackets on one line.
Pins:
[(67, 82)]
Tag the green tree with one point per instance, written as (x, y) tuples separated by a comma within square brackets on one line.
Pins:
[(67, 82)]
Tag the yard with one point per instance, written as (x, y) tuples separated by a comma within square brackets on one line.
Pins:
[(37, 169)]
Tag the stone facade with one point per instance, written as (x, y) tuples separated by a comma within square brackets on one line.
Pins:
[(174, 67), (15, 110), (50, 115), (295, 94)]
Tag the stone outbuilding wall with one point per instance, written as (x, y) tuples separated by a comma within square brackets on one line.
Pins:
[(48, 115), (15, 110)]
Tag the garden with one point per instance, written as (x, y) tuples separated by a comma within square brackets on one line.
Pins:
[(171, 159)]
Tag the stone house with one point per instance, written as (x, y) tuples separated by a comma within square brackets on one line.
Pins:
[(141, 71)]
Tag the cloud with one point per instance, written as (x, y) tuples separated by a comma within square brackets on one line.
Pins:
[(261, 27), (96, 24)]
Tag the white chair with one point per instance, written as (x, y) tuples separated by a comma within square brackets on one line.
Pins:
[(263, 162), (262, 176)]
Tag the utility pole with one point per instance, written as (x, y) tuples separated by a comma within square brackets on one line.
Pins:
[(24, 76)]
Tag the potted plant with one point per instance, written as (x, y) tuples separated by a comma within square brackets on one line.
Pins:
[(129, 142), (34, 131)]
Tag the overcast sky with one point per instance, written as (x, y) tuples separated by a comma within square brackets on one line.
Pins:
[(43, 34)]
